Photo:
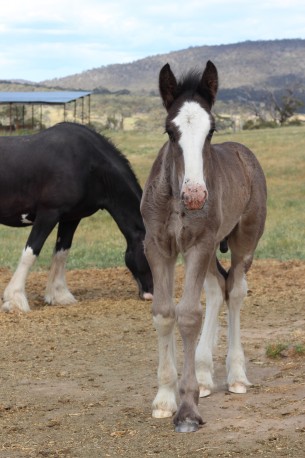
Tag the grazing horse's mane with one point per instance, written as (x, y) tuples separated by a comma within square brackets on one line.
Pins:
[(119, 160), (126, 165)]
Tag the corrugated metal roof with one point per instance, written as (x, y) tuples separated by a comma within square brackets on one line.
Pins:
[(42, 97)]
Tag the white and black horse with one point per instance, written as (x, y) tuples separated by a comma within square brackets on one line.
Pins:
[(62, 175)]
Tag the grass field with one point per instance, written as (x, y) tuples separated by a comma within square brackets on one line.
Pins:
[(99, 243)]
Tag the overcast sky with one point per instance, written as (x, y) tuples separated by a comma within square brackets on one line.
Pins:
[(43, 39)]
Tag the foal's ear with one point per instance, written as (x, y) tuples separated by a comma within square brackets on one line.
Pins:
[(167, 86), (209, 83)]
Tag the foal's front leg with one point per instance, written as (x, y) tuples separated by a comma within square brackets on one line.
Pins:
[(164, 404), (163, 308), (189, 318)]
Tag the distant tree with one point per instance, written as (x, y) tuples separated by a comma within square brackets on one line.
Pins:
[(276, 108), (285, 106)]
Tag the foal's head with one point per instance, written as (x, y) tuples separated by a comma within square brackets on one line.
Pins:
[(190, 126)]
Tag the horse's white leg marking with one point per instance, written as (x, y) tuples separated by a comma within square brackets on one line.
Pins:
[(194, 125), (14, 295), (57, 291), (164, 404), (237, 379), (204, 351)]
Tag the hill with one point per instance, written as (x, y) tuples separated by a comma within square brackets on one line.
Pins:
[(248, 73), (250, 65)]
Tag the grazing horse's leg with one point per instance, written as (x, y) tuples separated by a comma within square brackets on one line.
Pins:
[(237, 290), (14, 295), (57, 291), (163, 309), (214, 286), (189, 318)]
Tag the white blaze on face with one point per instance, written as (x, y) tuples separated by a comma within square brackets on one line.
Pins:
[(194, 125)]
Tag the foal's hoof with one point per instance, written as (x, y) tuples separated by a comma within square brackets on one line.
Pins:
[(204, 392), (238, 388), (187, 426), (159, 413), (18, 304)]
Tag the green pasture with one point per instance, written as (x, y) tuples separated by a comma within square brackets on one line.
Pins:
[(99, 243)]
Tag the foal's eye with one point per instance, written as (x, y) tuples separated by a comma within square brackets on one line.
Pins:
[(210, 134)]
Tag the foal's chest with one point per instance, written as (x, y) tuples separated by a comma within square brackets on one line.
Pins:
[(184, 229)]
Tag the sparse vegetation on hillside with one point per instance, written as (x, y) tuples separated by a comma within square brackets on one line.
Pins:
[(125, 96), (255, 65)]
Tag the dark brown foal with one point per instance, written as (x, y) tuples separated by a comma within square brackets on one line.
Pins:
[(196, 196)]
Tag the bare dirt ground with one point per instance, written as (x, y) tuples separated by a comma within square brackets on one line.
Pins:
[(78, 381)]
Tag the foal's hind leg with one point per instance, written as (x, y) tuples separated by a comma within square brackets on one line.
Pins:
[(57, 291), (214, 286), (236, 290)]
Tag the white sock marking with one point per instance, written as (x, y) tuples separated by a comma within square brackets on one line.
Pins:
[(57, 291), (236, 359), (14, 294), (204, 351), (164, 404)]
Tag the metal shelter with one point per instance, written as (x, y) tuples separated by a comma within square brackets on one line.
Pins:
[(45, 98)]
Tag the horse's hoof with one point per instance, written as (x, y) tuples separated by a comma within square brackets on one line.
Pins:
[(187, 426), (238, 388), (8, 306), (147, 296), (204, 392), (159, 413)]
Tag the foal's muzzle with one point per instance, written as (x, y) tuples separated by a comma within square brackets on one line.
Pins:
[(194, 196)]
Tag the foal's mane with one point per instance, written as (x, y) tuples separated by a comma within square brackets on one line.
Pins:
[(188, 83)]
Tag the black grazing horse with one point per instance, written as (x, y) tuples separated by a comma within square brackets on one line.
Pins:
[(62, 175)]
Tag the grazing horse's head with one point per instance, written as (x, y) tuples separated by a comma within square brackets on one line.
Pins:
[(190, 126), (136, 262)]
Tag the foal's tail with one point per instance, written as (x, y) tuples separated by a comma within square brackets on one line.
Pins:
[(222, 270), (223, 246)]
